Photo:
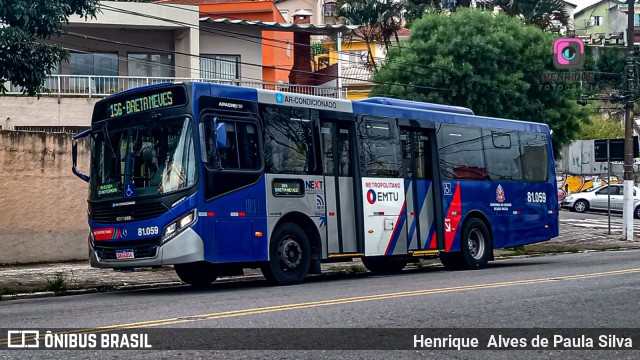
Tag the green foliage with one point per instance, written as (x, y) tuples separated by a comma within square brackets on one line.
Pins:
[(58, 284), (541, 13), (317, 48), (599, 127), (490, 63), (24, 60)]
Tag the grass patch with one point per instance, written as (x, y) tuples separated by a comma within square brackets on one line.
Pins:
[(107, 288), (349, 269), (58, 284)]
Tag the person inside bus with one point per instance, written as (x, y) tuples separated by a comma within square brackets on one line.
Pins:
[(173, 177)]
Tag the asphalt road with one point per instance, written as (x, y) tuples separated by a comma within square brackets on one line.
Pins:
[(586, 290)]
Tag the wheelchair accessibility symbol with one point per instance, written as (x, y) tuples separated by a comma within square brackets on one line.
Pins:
[(128, 192), (447, 188)]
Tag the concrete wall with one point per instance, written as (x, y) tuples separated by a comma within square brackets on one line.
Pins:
[(214, 41), (44, 206), (578, 158), (46, 111)]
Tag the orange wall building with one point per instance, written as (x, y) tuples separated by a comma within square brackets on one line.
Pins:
[(277, 46)]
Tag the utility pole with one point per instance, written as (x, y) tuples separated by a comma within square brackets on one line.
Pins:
[(627, 214)]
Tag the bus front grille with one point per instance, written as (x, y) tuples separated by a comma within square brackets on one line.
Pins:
[(128, 213), (144, 248)]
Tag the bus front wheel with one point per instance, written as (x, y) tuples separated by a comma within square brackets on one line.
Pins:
[(198, 274), (289, 256)]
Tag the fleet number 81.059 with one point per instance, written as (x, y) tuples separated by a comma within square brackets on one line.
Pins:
[(536, 197), (153, 230)]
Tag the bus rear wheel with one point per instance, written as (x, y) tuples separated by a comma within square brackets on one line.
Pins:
[(383, 265), (476, 244), (476, 248), (289, 256), (199, 273)]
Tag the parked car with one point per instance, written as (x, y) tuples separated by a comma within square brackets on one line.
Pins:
[(597, 199)]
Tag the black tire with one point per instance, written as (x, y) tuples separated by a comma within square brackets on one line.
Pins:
[(452, 261), (198, 273), (476, 244), (289, 256), (384, 264), (580, 206), (636, 212)]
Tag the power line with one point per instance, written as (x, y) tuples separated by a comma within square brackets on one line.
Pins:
[(125, 59), (84, 36), (245, 36)]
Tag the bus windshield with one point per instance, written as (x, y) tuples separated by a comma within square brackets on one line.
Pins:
[(145, 158)]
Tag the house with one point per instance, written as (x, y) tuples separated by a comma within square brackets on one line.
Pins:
[(131, 44), (601, 23), (623, 7), (356, 67)]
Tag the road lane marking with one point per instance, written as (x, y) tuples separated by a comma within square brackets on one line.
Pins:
[(312, 304)]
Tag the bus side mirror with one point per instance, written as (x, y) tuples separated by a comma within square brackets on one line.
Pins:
[(221, 135), (74, 155)]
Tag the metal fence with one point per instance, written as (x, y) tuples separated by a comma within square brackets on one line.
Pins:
[(99, 86)]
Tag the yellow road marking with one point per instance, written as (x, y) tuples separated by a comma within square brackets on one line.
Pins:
[(312, 304)]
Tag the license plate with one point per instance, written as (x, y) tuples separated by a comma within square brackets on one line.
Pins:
[(124, 254)]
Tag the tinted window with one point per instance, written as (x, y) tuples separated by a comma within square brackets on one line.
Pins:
[(502, 151), (380, 148), (460, 152), (535, 156), (241, 151), (289, 145)]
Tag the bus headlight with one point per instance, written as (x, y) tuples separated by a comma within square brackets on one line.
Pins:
[(178, 225)]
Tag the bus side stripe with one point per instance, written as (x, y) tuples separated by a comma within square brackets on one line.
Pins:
[(396, 230)]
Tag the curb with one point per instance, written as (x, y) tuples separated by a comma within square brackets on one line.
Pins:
[(230, 279)]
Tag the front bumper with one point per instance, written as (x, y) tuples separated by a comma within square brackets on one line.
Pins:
[(186, 247), (567, 203)]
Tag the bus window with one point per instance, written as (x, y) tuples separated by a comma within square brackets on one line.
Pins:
[(460, 152), (242, 148), (381, 152), (502, 149), (289, 145), (535, 156)]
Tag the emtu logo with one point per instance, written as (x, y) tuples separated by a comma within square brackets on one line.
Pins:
[(568, 53), (371, 196)]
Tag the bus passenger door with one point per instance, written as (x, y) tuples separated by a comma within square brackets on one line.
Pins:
[(419, 185), (338, 168)]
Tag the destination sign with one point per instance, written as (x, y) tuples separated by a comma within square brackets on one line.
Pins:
[(153, 99), (288, 187)]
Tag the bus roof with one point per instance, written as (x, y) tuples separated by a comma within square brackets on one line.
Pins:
[(377, 106), (418, 105)]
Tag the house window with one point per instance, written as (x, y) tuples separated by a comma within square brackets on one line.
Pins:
[(358, 57), (636, 19), (596, 20), (226, 67), (150, 65), (105, 64), (330, 9)]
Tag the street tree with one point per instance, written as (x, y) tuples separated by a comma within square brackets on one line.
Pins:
[(25, 60), (600, 127), (491, 63), (379, 20)]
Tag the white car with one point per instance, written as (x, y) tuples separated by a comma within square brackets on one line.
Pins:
[(596, 199)]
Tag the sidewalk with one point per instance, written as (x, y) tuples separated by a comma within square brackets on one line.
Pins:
[(20, 281)]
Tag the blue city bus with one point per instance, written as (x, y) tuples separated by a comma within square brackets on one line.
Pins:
[(214, 179)]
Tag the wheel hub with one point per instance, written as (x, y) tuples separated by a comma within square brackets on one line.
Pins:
[(290, 253), (476, 244)]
